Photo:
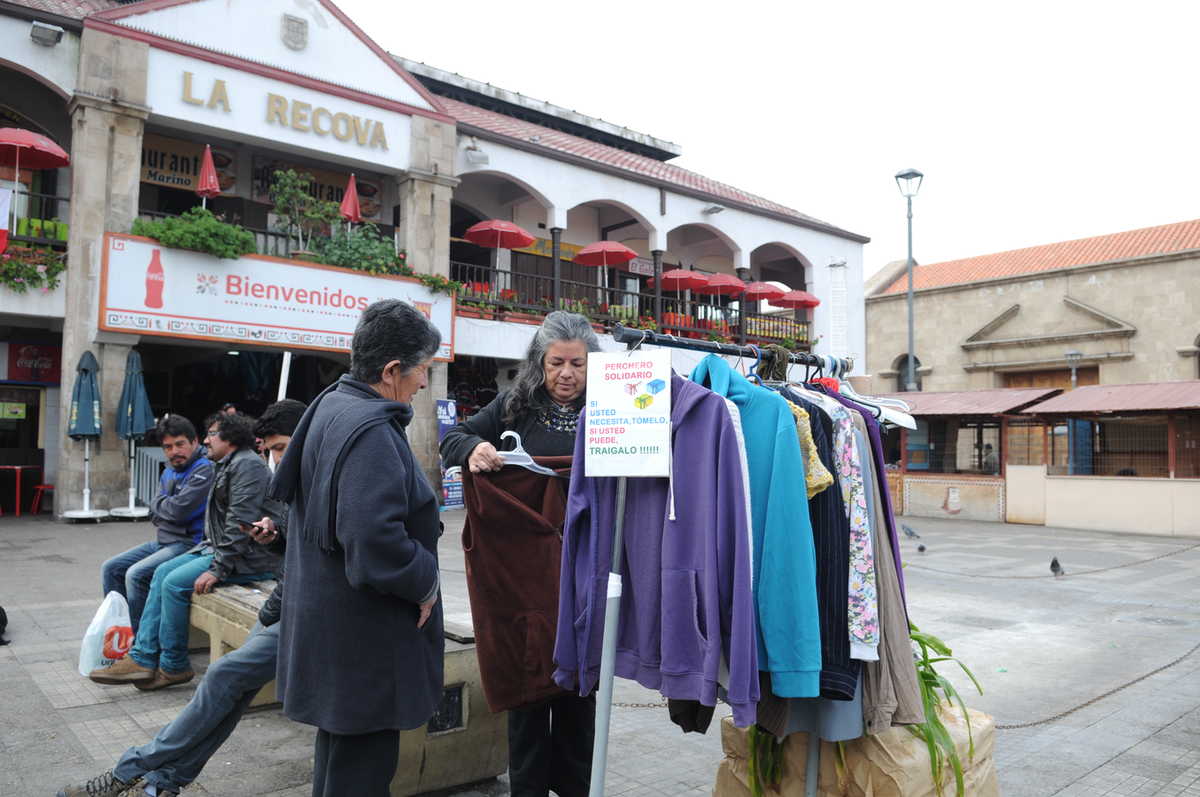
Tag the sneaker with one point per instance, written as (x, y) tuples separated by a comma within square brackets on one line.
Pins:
[(163, 679), (121, 671), (106, 785)]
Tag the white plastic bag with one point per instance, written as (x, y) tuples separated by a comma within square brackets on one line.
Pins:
[(110, 635)]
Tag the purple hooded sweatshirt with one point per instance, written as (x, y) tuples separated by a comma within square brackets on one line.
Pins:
[(687, 600)]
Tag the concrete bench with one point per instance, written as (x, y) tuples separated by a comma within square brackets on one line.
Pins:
[(464, 743)]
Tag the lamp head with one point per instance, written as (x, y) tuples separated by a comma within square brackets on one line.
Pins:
[(909, 182)]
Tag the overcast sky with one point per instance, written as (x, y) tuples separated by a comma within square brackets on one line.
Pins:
[(1033, 122)]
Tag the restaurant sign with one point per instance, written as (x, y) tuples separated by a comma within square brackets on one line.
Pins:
[(176, 163), (149, 289)]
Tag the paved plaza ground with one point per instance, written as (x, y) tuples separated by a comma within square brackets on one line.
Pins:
[(1040, 646)]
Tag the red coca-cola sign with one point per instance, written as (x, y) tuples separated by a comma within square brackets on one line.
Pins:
[(34, 362)]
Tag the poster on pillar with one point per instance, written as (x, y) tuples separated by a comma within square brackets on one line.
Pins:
[(149, 289), (628, 424)]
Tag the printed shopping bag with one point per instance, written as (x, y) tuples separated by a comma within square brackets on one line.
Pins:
[(110, 635)]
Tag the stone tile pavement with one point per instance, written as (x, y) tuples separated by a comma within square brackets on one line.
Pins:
[(1039, 645)]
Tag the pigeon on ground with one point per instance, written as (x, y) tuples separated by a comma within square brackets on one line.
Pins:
[(1056, 568), (920, 549), (908, 532)]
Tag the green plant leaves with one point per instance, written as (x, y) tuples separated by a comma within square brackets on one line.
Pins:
[(199, 230)]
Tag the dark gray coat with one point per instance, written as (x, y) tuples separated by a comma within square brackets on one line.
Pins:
[(361, 557), (238, 498)]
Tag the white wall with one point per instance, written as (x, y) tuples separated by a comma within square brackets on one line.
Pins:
[(34, 303), (564, 186), (247, 119), (251, 29), (58, 64)]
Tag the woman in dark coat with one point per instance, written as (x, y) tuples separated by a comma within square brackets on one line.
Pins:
[(360, 646), (550, 743)]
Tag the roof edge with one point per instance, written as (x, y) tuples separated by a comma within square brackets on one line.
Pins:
[(1142, 260), (593, 165), (73, 24), (539, 106)]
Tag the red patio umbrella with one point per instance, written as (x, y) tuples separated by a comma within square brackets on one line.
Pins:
[(19, 146), (604, 253), (723, 284), (794, 299), (757, 291), (497, 234), (209, 186), (350, 210), (680, 279)]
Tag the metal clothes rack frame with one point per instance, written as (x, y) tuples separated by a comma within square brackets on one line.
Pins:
[(633, 339)]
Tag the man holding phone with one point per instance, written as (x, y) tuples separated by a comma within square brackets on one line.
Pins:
[(177, 754), (159, 656)]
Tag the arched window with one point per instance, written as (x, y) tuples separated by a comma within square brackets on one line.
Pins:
[(900, 366)]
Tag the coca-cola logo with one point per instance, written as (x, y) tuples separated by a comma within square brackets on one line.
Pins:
[(29, 362), (34, 359)]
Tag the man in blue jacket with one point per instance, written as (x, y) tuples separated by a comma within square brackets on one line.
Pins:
[(177, 513)]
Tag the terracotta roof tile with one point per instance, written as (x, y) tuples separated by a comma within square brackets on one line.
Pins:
[(1166, 239), (548, 138), (75, 9)]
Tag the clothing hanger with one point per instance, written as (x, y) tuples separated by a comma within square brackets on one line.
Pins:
[(753, 375), (518, 456)]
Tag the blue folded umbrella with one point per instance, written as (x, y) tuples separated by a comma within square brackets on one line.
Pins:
[(134, 414), (85, 400)]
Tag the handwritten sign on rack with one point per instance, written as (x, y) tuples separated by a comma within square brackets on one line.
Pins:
[(628, 414)]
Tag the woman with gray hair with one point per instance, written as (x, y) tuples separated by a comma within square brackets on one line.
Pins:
[(360, 642), (550, 741)]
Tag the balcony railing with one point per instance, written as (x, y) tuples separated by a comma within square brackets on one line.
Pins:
[(497, 293), (40, 219)]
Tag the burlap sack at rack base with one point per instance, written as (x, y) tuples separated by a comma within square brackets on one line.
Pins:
[(892, 764)]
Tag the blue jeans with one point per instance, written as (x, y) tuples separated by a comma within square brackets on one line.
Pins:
[(129, 573), (174, 757), (163, 635)]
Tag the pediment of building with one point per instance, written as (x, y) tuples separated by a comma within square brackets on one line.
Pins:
[(310, 39), (1083, 322)]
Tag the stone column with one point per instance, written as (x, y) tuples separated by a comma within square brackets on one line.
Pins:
[(108, 115), (424, 196)]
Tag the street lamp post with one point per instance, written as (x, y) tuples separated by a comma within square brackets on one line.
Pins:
[(909, 182)]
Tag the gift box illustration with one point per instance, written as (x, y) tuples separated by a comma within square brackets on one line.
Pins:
[(643, 401), (656, 386), (633, 388)]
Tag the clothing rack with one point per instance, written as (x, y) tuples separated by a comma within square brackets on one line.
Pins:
[(634, 338)]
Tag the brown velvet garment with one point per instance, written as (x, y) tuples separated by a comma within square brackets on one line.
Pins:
[(513, 545)]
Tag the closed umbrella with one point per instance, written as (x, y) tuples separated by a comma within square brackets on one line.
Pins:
[(497, 234), (84, 424), (209, 186), (134, 419), (350, 209)]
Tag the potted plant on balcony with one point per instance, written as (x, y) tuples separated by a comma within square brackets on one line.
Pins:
[(199, 230), (299, 213), (23, 269)]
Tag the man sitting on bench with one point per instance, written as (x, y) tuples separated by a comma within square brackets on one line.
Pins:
[(174, 758)]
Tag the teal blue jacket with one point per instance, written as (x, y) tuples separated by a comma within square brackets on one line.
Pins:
[(785, 585)]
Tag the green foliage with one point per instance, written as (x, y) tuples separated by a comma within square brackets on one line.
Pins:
[(766, 761), (936, 691), (361, 248), (199, 230), (789, 344), (300, 212), (23, 269)]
